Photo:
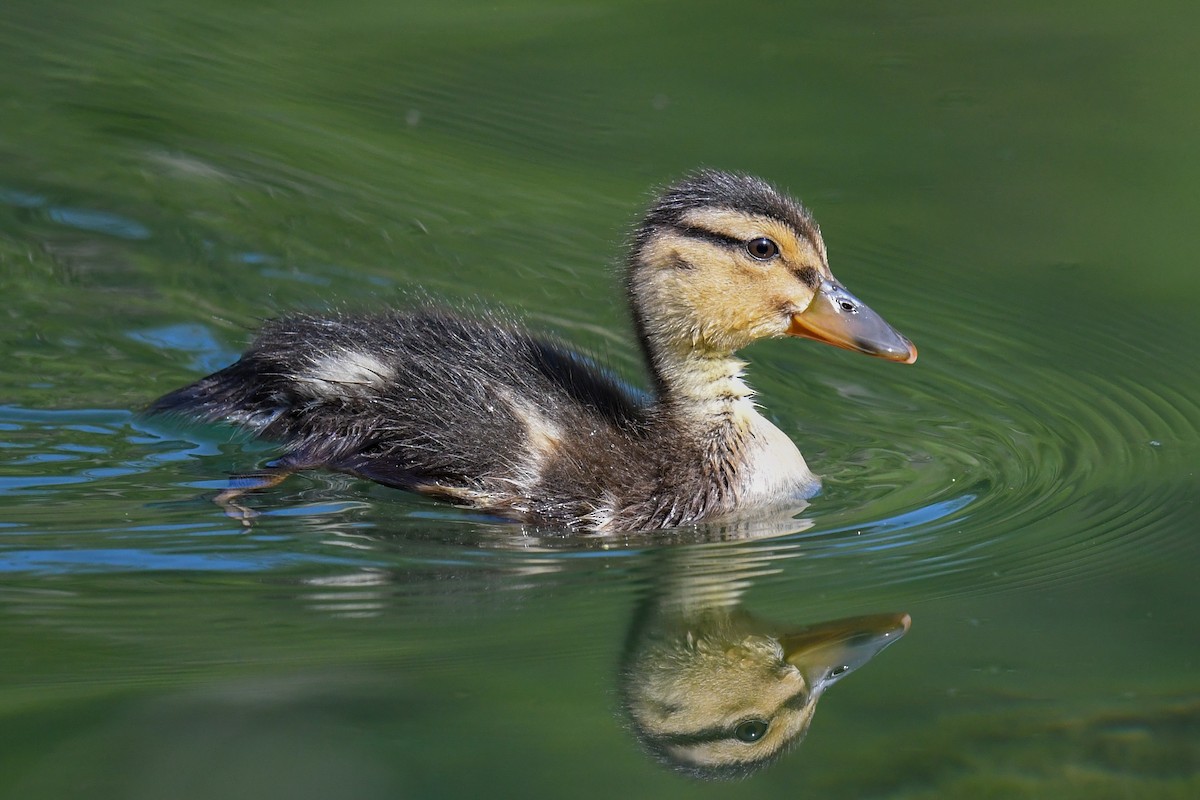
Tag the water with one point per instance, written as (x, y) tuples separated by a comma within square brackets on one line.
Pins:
[(1013, 189)]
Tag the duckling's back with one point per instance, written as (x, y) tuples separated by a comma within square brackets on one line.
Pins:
[(473, 410)]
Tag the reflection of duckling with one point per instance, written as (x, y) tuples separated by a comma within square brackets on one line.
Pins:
[(715, 692), (482, 413)]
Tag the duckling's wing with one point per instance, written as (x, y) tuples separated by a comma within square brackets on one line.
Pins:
[(428, 401)]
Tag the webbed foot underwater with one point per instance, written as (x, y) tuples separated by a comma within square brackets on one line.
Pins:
[(484, 414)]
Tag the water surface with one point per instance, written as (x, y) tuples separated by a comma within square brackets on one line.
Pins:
[(1013, 189)]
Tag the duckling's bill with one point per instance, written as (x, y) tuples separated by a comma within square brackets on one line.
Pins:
[(839, 318), (828, 652)]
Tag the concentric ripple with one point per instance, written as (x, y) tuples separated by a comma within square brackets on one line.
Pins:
[(997, 466)]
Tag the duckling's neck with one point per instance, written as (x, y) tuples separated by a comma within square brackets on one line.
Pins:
[(702, 392), (700, 385)]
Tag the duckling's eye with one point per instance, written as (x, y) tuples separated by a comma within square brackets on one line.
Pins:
[(762, 248), (751, 730)]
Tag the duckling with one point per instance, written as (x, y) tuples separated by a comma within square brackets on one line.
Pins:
[(482, 413), (713, 691)]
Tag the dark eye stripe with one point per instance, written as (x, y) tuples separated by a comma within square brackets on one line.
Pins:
[(808, 276), (695, 232), (796, 701)]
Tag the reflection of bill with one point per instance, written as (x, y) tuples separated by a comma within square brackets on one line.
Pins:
[(715, 692)]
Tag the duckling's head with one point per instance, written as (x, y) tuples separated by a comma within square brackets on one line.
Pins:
[(722, 260), (720, 695)]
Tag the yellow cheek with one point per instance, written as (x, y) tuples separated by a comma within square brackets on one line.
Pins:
[(719, 296)]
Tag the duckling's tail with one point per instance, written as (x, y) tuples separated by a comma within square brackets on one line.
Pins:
[(241, 393)]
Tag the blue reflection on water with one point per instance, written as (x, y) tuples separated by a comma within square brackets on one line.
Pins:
[(13, 197), (99, 222), (84, 219), (924, 516), (208, 355), (134, 559)]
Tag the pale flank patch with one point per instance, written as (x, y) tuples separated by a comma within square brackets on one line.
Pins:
[(345, 372), (542, 439)]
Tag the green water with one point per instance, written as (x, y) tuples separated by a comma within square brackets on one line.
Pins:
[(1013, 188)]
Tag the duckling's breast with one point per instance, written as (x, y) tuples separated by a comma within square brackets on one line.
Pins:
[(773, 472)]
